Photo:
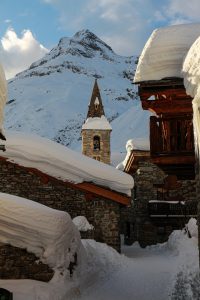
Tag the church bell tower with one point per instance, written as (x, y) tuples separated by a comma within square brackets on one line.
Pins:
[(96, 130)]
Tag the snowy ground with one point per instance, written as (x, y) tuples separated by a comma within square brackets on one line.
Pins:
[(143, 274), (139, 274)]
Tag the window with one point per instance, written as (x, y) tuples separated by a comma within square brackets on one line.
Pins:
[(97, 158), (96, 143)]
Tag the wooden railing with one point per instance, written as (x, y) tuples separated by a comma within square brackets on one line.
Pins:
[(173, 209), (171, 136)]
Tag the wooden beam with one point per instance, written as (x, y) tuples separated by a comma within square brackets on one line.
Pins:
[(100, 191), (160, 107), (134, 158), (174, 160)]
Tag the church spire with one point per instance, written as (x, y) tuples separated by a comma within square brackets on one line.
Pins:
[(95, 108), (96, 130)]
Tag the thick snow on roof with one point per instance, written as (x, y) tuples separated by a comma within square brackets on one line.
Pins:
[(3, 96), (46, 232), (191, 73), (97, 123), (191, 69), (130, 145), (62, 163), (165, 51)]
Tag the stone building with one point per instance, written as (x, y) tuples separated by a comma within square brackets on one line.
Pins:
[(36, 241), (96, 130), (60, 178), (48, 173)]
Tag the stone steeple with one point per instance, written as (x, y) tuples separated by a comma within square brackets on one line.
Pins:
[(95, 108), (96, 130)]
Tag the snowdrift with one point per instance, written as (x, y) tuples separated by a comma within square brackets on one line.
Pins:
[(48, 233)]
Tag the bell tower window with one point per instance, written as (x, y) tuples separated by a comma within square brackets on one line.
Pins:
[(96, 103), (96, 143)]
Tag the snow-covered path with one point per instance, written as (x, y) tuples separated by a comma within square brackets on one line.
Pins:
[(145, 274), (137, 274)]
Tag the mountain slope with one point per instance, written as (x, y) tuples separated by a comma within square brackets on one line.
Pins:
[(51, 97)]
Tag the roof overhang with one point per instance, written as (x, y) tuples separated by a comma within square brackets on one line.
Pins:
[(87, 187)]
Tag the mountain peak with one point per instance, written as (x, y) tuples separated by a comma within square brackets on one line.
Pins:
[(73, 54), (85, 36), (84, 33)]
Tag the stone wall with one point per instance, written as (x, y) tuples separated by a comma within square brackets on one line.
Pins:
[(16, 263), (102, 213), (136, 221), (87, 144)]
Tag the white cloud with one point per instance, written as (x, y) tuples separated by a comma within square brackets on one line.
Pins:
[(186, 9), (17, 53), (125, 24)]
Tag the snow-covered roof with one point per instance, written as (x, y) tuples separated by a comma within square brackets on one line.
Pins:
[(191, 74), (3, 96), (165, 51), (131, 145), (48, 233), (191, 69), (97, 123), (63, 163)]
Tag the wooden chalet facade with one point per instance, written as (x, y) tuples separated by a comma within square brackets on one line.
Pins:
[(166, 183), (164, 195), (171, 129)]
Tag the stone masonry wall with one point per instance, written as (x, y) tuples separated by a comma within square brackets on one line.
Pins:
[(142, 228), (87, 144), (16, 263), (102, 213)]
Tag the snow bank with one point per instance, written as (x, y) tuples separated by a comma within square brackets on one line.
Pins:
[(82, 223), (163, 271), (191, 73), (3, 96), (62, 163), (186, 280), (48, 233), (165, 51), (99, 263), (97, 123), (192, 228)]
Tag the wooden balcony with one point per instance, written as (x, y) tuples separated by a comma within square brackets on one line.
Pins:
[(165, 96), (173, 209), (172, 145)]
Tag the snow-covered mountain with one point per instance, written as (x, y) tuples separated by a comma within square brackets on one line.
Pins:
[(51, 97)]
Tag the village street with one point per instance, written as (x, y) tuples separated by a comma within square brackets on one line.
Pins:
[(136, 274), (144, 274)]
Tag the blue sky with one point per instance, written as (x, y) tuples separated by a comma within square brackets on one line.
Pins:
[(29, 28)]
